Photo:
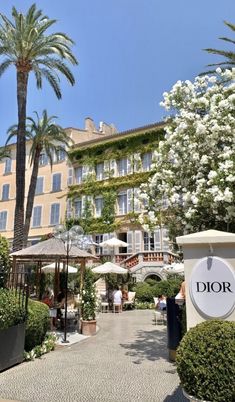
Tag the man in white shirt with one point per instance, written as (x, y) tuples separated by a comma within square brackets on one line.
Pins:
[(117, 297)]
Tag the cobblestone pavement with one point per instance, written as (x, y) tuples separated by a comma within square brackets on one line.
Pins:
[(126, 361)]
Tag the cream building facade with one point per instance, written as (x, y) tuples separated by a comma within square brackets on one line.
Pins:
[(96, 188), (52, 184)]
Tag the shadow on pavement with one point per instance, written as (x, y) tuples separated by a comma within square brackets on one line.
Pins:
[(176, 397), (151, 345)]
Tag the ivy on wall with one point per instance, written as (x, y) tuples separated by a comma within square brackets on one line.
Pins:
[(93, 187), (117, 148)]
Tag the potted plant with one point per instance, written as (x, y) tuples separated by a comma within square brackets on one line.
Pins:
[(205, 362), (88, 321), (12, 329)]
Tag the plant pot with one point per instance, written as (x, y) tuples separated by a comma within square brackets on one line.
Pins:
[(88, 327), (192, 398), (12, 346)]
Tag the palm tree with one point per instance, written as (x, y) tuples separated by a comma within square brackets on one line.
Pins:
[(25, 44), (228, 55), (45, 136)]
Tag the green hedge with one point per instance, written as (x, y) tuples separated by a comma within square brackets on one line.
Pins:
[(37, 324), (206, 361), (10, 312), (145, 292)]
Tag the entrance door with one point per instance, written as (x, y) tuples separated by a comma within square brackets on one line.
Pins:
[(122, 236)]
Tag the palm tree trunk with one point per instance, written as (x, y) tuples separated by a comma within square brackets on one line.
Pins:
[(22, 83), (31, 194)]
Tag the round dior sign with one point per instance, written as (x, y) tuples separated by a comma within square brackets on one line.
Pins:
[(212, 287)]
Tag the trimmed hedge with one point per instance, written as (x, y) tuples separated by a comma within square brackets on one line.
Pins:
[(10, 312), (146, 291), (206, 361), (37, 324)]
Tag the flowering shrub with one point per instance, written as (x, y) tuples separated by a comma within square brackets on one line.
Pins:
[(47, 345), (194, 183), (88, 297)]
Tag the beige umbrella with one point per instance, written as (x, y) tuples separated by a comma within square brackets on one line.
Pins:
[(113, 242), (50, 269), (109, 268)]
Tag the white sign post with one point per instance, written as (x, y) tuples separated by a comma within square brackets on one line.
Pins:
[(212, 287), (209, 261)]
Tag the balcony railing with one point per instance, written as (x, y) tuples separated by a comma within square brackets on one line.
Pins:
[(128, 260)]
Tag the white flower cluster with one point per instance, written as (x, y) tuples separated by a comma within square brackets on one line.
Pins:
[(195, 165)]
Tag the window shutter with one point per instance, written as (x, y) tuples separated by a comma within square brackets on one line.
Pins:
[(130, 200), (70, 177), (85, 171), (138, 241), (105, 248), (129, 165), (165, 239), (130, 241), (157, 239), (136, 162), (106, 169), (136, 203), (112, 164), (69, 210)]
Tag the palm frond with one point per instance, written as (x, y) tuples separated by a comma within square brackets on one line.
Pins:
[(53, 81), (4, 65), (230, 25), (228, 40)]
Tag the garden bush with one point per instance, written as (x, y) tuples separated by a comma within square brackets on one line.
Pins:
[(10, 311), (37, 324), (145, 291), (205, 361)]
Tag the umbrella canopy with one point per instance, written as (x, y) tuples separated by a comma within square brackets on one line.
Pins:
[(51, 249), (50, 269), (175, 268), (109, 268), (114, 242)]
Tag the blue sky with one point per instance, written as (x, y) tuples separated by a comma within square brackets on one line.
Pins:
[(129, 52)]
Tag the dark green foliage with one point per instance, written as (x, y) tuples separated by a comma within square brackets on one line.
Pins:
[(88, 296), (119, 148), (145, 291), (4, 261), (10, 311), (206, 361), (37, 324)]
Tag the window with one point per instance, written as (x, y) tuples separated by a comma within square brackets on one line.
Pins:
[(98, 240), (122, 167), (42, 159), (99, 203), (55, 214), (146, 161), (3, 220), (78, 175), (37, 213), (99, 169), (60, 155), (5, 192), (8, 163), (56, 182), (122, 203), (148, 242), (39, 186), (78, 208)]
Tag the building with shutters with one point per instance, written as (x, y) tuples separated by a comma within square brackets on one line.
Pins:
[(97, 189), (52, 185), (106, 176)]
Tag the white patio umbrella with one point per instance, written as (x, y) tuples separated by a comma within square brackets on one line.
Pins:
[(50, 269), (175, 268), (109, 268), (113, 242)]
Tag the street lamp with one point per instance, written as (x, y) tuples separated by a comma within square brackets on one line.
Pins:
[(73, 236)]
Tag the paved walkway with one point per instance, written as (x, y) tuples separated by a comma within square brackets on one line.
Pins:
[(125, 362)]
